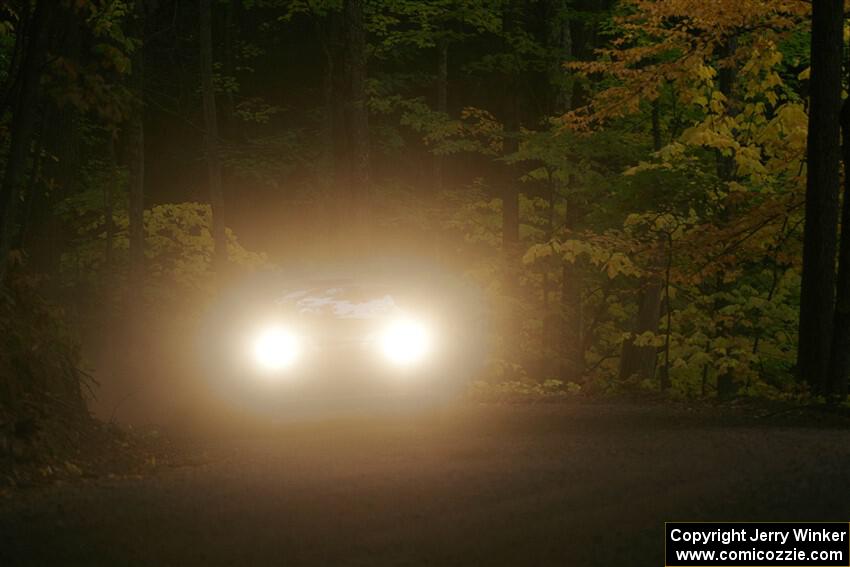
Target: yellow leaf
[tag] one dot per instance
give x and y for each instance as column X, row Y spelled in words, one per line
column 72, row 468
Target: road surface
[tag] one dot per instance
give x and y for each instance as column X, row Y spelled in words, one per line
column 568, row 485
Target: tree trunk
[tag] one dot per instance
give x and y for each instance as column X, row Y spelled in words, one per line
column 442, row 103
column 641, row 360
column 338, row 67
column 336, row 208
column 357, row 123
column 560, row 45
column 551, row 320
column 41, row 230
column 9, row 89
column 726, row 386
column 33, row 195
column 817, row 293
column 211, row 141
column 572, row 324
column 326, row 33
column 512, row 318
column 230, row 122
column 21, row 128
column 136, row 157
column 509, row 181
column 510, row 211
column 108, row 206
column 664, row 381
column 839, row 364
column 60, row 134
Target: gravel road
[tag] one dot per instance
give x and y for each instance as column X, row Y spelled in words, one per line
column 567, row 485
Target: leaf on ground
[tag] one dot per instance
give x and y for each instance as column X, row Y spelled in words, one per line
column 73, row 469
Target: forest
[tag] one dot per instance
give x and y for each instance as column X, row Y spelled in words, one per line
column 646, row 194
column 557, row 274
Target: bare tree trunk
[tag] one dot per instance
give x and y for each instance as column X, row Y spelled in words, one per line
column 33, row 194
column 510, row 213
column 550, row 318
column 136, row 172
column 509, row 181
column 726, row 386
column 60, row 134
column 357, row 121
column 817, row 293
column 22, row 128
column 572, row 323
column 230, row 30
column 108, row 216
column 62, row 138
column 668, row 323
column 41, row 230
column 442, row 103
column 136, row 156
column 326, row 33
column 560, row 43
column 512, row 318
column 211, row 140
column 9, row 89
column 642, row 360
column 336, row 207
column 839, row 364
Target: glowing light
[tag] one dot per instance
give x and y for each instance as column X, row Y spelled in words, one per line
column 406, row 342
column 275, row 348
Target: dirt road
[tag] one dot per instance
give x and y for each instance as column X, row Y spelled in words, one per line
column 567, row 485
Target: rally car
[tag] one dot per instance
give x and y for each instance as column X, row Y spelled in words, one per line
column 345, row 343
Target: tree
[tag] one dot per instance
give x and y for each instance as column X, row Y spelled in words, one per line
column 211, row 139
column 817, row 293
column 438, row 26
column 635, row 360
column 442, row 102
column 136, row 154
column 59, row 137
column 357, row 120
column 559, row 44
column 839, row 364
column 22, row 129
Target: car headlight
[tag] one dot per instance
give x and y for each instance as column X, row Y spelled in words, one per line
column 275, row 348
column 406, row 342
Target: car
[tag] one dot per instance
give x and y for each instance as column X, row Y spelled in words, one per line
column 370, row 342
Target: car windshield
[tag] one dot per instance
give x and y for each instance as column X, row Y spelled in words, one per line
column 340, row 301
